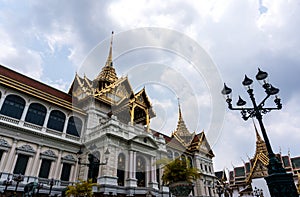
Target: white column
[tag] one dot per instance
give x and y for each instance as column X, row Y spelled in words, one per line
column 65, row 127
column 10, row 159
column 29, row 166
column 130, row 167
column 46, row 120
column 153, row 181
column 13, row 164
column 4, row 160
column 57, row 166
column 72, row 173
column 36, row 162
column 24, row 112
column 134, row 165
column 52, row 170
column 2, row 100
column 153, row 170
column 76, row 172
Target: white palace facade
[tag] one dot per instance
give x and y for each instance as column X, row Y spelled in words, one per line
column 56, row 138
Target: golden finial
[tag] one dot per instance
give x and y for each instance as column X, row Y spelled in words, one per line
column 258, row 138
column 109, row 58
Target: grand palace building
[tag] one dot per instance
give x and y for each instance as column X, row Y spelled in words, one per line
column 99, row 130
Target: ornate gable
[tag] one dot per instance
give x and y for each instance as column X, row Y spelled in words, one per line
column 260, row 161
column 174, row 143
column 200, row 143
column 143, row 143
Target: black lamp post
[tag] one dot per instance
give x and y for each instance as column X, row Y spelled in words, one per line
column 51, row 183
column 258, row 192
column 219, row 189
column 39, row 186
column 18, row 179
column 228, row 189
column 6, row 183
column 279, row 182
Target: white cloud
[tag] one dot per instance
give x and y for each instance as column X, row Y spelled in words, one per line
column 22, row 59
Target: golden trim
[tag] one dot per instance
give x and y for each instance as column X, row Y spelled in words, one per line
column 38, row 93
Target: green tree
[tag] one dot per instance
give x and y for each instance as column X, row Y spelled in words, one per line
column 81, row 188
column 179, row 170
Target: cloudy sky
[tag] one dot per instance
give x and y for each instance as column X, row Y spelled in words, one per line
column 52, row 40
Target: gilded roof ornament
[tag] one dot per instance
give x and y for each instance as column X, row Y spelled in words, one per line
column 181, row 131
column 108, row 73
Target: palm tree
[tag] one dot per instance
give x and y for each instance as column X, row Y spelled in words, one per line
column 81, row 188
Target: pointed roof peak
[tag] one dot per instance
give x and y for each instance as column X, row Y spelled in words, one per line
column 179, row 110
column 108, row 73
column 181, row 129
column 109, row 61
column 258, row 138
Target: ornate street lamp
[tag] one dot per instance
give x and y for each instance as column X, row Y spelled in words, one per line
column 219, row 189
column 258, row 192
column 51, row 183
column 6, row 183
column 18, row 179
column 279, row 182
column 39, row 186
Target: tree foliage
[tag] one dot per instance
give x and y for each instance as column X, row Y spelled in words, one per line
column 81, row 188
column 179, row 170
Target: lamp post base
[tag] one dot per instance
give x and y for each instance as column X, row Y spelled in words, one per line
column 281, row 184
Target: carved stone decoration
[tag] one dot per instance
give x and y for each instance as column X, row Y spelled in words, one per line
column 48, row 154
column 26, row 150
column 68, row 159
column 4, row 145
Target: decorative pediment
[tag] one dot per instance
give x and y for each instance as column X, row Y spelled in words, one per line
column 174, row 143
column 260, row 161
column 144, row 140
column 68, row 159
column 26, row 150
column 48, row 154
column 115, row 92
column 4, row 145
column 141, row 98
column 259, row 169
column 200, row 144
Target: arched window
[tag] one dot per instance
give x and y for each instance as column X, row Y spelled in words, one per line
column 36, row 114
column 140, row 171
column 182, row 158
column 169, row 154
column 176, row 154
column 121, row 169
column 13, row 106
column 94, row 161
column 74, row 126
column 56, row 120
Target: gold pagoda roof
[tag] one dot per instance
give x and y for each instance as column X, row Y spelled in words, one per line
column 181, row 132
column 108, row 73
column 260, row 160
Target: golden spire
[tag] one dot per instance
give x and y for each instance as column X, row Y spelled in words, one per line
column 258, row 138
column 109, row 58
column 181, row 130
column 108, row 73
